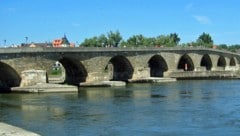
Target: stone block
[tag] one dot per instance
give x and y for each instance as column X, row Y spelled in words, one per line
column 33, row 77
column 141, row 72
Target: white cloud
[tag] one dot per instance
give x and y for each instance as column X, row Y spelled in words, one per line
column 203, row 20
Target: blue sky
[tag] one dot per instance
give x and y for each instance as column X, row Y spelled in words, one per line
column 45, row 20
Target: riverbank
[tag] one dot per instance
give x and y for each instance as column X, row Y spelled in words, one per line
column 9, row 130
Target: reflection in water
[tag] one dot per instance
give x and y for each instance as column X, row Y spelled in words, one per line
column 30, row 112
column 157, row 96
column 181, row 108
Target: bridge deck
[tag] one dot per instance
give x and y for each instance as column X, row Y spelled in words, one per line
column 100, row 49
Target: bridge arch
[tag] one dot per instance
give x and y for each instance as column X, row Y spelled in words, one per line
column 122, row 68
column 206, row 62
column 75, row 71
column 232, row 62
column 8, row 78
column 221, row 62
column 186, row 63
column 157, row 66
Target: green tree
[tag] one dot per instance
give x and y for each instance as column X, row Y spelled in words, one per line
column 124, row 44
column 222, row 46
column 165, row 40
column 149, row 42
column 132, row 41
column 90, row 42
column 170, row 40
column 205, row 40
column 139, row 41
column 175, row 38
column 114, row 38
column 233, row 48
column 136, row 40
column 161, row 40
column 102, row 40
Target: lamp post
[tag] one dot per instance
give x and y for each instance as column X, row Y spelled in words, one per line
column 26, row 38
column 5, row 41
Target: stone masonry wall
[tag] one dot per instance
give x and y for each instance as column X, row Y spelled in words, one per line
column 33, row 77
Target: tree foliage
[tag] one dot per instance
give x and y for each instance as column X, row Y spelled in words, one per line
column 168, row 40
column 136, row 41
column 232, row 48
column 113, row 39
column 175, row 38
column 205, row 40
column 91, row 42
column 161, row 40
column 103, row 40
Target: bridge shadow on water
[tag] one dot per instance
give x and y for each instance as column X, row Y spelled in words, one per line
column 5, row 90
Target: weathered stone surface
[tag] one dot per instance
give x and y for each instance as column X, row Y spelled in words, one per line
column 32, row 77
column 122, row 64
column 9, row 130
column 103, row 84
column 45, row 88
column 203, row 74
column 152, row 80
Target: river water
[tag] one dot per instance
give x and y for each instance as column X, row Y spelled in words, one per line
column 204, row 107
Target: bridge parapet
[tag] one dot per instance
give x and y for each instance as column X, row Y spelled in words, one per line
column 114, row 49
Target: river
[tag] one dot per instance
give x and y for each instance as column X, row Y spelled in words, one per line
column 198, row 107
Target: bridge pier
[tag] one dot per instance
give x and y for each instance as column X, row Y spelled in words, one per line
column 141, row 72
column 33, row 77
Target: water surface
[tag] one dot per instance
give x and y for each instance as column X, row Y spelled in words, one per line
column 204, row 107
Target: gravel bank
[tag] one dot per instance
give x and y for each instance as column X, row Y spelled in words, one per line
column 9, row 130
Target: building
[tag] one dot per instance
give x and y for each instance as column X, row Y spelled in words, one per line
column 47, row 44
column 63, row 42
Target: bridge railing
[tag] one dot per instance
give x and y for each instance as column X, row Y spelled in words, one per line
column 112, row 49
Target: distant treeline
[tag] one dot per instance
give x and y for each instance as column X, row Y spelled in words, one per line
column 232, row 48
column 114, row 39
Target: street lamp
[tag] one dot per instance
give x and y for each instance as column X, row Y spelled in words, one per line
column 26, row 38
column 5, row 41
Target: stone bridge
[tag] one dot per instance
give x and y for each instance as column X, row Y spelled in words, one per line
column 121, row 64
